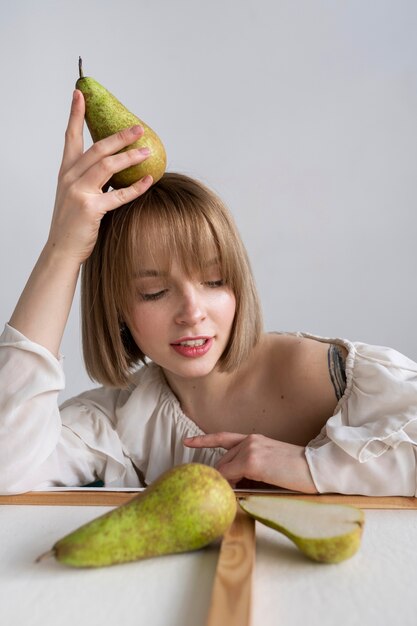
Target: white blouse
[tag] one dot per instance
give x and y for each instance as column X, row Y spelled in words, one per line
column 127, row 438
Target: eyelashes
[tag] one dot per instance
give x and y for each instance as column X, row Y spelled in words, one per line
column 152, row 296
column 157, row 295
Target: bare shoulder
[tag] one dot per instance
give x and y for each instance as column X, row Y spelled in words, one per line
column 289, row 380
column 312, row 371
column 300, row 352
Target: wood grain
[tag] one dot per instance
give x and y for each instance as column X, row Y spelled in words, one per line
column 363, row 502
column 231, row 600
column 89, row 497
column 93, row 497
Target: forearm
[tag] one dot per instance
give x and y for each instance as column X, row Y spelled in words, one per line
column 30, row 381
column 43, row 308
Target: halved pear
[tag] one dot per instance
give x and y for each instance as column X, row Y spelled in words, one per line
column 328, row 533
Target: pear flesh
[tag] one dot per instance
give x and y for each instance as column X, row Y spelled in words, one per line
column 185, row 509
column 328, row 533
column 106, row 115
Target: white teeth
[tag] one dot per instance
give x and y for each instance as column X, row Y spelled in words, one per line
column 193, row 343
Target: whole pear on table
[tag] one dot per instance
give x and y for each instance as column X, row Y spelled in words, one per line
column 328, row 533
column 186, row 508
column 106, row 115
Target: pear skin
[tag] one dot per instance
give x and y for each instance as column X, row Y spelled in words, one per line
column 327, row 533
column 185, row 509
column 106, row 115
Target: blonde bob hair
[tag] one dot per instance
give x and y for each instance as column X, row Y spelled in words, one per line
column 178, row 217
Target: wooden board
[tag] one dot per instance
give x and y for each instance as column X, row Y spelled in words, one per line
column 231, row 600
column 93, row 497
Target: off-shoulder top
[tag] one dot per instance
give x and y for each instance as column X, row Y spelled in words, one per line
column 127, row 438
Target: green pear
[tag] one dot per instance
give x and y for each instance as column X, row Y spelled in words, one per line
column 105, row 115
column 328, row 533
column 186, row 508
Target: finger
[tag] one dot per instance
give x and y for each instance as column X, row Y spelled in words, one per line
column 100, row 173
column 233, row 471
column 215, row 440
column 74, row 143
column 228, row 457
column 117, row 198
column 105, row 148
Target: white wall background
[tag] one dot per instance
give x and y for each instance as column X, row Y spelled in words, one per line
column 302, row 114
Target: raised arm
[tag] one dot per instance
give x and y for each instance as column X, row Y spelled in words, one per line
column 43, row 308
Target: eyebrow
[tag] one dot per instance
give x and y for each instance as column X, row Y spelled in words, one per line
column 146, row 273
column 155, row 273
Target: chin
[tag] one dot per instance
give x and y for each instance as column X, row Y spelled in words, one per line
column 193, row 369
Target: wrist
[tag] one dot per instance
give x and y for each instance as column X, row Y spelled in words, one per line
column 294, row 471
column 58, row 269
column 52, row 256
column 305, row 479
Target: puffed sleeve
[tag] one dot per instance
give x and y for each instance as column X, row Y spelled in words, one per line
column 39, row 442
column 368, row 446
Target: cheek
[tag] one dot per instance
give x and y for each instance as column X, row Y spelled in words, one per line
column 143, row 321
column 232, row 305
column 227, row 306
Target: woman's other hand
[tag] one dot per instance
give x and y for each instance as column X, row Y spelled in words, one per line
column 260, row 459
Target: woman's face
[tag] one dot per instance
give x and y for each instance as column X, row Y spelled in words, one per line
column 183, row 324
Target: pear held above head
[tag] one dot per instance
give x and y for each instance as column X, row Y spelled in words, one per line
column 186, row 508
column 105, row 115
column 328, row 533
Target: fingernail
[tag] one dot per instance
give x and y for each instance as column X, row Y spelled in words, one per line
column 144, row 150
column 75, row 95
column 147, row 179
column 136, row 129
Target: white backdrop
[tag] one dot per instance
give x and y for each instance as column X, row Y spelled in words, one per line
column 301, row 114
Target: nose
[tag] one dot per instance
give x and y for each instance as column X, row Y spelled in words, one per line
column 191, row 308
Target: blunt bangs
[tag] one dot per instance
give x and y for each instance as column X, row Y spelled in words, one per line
column 161, row 234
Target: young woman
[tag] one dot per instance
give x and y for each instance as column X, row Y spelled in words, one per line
column 172, row 330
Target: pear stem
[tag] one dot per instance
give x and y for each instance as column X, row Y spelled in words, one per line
column 45, row 555
column 80, row 67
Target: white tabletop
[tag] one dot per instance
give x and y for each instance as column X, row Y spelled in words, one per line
column 376, row 586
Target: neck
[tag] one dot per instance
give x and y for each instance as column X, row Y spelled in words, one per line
column 200, row 394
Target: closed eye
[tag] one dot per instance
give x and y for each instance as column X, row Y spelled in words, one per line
column 153, row 296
